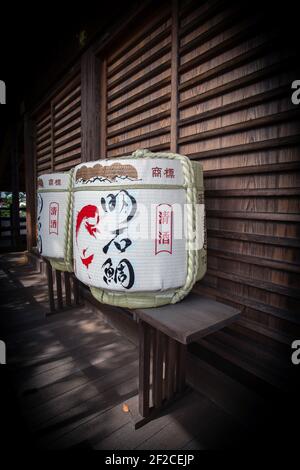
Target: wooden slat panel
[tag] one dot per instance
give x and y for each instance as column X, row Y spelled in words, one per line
column 208, row 28
column 254, row 237
column 71, row 97
column 147, row 73
column 151, row 85
column 154, row 129
column 157, row 143
column 149, row 24
column 138, row 90
column 149, row 41
column 43, row 145
column 67, row 126
column 236, row 117
column 143, row 118
column 58, row 130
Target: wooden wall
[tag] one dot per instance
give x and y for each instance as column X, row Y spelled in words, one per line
column 211, row 80
column 58, row 129
column 137, row 76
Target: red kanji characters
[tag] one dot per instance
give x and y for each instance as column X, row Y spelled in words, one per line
column 164, row 238
column 53, row 217
column 156, row 172
column 164, row 228
column 169, row 173
column 163, row 217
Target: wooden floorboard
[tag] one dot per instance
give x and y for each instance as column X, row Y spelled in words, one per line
column 54, row 410
column 77, row 379
column 72, row 372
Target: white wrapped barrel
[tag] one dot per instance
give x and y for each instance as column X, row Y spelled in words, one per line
column 54, row 216
column 129, row 228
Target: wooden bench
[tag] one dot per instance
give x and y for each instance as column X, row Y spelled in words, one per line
column 164, row 334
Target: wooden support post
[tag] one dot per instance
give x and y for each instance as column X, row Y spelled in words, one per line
column 181, row 368
column 164, row 375
column 103, row 107
column 75, row 290
column 90, row 106
column 170, row 368
column 15, row 209
column 29, row 157
column 174, row 78
column 50, row 286
column 173, row 327
column 158, row 370
column 67, row 289
column 58, row 289
column 144, row 368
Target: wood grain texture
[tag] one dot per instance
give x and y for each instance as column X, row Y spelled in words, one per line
column 142, row 86
column 90, row 107
column 58, row 127
column 194, row 318
column 236, row 117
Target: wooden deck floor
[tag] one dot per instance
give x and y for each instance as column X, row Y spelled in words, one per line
column 71, row 372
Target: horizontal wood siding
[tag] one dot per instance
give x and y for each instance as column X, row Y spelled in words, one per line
column 58, row 130
column 236, row 117
column 43, row 141
column 138, row 88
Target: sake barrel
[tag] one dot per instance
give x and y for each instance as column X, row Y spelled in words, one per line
column 54, row 219
column 139, row 228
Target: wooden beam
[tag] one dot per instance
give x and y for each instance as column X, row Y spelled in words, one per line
column 15, row 216
column 59, row 289
column 67, row 288
column 90, row 107
column 181, row 367
column 103, row 108
column 76, row 292
column 268, row 144
column 144, row 368
column 29, row 157
column 170, row 368
column 50, row 285
column 52, row 136
column 254, row 238
column 157, row 383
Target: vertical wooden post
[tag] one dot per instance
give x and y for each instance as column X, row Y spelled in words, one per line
column 67, row 288
column 170, row 368
column 52, row 136
column 75, row 290
column 29, row 156
column 158, row 370
column 164, row 374
column 174, row 78
column 181, row 367
column 103, row 108
column 50, row 285
column 15, row 214
column 144, row 368
column 90, row 106
column 58, row 289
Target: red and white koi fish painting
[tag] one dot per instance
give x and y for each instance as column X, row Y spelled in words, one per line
column 87, row 222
